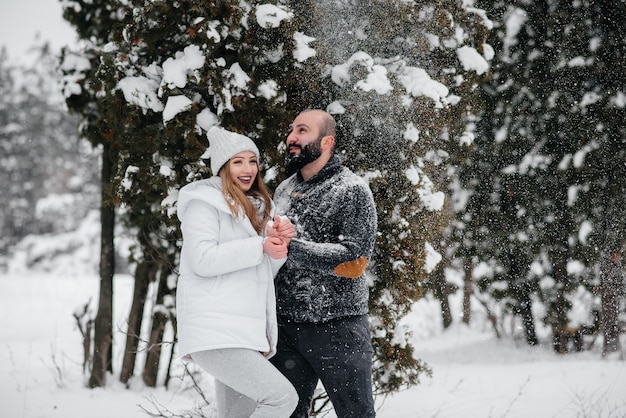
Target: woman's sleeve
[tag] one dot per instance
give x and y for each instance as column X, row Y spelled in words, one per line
column 208, row 257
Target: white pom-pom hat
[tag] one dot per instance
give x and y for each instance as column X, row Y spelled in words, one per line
column 223, row 145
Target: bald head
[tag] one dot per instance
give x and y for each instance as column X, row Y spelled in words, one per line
column 326, row 122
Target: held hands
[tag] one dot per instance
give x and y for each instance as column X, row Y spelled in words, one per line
column 275, row 247
column 281, row 228
column 278, row 232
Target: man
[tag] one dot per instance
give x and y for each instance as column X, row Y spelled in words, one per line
column 322, row 294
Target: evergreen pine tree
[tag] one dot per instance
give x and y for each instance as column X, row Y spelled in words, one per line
column 41, row 155
column 84, row 87
column 395, row 80
column 400, row 85
column 233, row 69
column 548, row 141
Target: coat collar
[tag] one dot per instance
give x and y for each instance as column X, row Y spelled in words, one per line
column 330, row 169
column 210, row 191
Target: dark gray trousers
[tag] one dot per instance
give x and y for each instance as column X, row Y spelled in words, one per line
column 338, row 353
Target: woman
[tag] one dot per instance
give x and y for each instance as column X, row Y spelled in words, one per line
column 232, row 249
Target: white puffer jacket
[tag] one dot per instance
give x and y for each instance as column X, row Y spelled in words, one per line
column 225, row 295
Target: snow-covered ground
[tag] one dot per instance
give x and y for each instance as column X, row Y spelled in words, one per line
column 474, row 373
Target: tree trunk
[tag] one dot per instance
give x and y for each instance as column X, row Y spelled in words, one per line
column 145, row 273
column 560, row 307
column 103, row 324
column 467, row 291
column 168, row 375
column 446, row 313
column 525, row 311
column 441, row 290
column 521, row 290
column 159, row 320
column 610, row 290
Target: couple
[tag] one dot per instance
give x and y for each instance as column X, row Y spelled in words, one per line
column 279, row 280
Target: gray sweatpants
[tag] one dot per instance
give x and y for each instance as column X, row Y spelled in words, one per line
column 247, row 385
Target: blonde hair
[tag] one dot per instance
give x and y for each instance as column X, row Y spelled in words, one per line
column 238, row 200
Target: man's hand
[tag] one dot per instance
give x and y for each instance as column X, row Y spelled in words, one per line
column 281, row 228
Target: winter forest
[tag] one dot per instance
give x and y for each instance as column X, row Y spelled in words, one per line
column 491, row 134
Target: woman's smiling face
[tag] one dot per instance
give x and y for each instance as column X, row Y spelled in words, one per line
column 243, row 169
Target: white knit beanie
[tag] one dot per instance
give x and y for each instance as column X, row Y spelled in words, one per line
column 223, row 145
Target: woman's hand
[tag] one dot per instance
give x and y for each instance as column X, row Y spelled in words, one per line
column 281, row 228
column 275, row 247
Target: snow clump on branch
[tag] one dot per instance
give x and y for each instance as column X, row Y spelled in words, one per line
column 270, row 16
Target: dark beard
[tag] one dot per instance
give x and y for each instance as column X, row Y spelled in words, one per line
column 308, row 154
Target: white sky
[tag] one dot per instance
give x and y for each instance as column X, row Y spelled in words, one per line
column 23, row 22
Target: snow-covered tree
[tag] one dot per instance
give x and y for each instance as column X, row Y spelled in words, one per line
column 164, row 76
column 549, row 141
column 399, row 77
column 84, row 89
column 46, row 172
